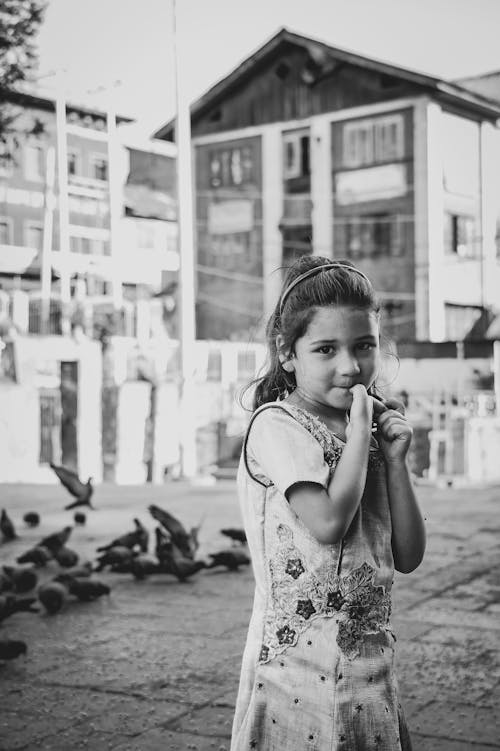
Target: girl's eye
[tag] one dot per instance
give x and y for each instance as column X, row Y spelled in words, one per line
column 364, row 346
column 326, row 349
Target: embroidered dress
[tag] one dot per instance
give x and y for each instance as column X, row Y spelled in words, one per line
column 317, row 670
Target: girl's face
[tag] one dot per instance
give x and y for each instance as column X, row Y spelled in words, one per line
column 339, row 349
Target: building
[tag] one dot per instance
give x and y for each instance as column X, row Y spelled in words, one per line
column 118, row 216
column 305, row 147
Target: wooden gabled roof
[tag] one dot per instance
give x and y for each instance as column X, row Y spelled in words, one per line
column 324, row 55
column 486, row 84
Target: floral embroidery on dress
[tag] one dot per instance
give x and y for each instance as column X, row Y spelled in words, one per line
column 361, row 606
column 294, row 567
column 331, row 449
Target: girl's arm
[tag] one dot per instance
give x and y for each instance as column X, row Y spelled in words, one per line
column 328, row 513
column 408, row 531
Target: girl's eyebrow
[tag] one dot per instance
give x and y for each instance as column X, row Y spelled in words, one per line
column 335, row 341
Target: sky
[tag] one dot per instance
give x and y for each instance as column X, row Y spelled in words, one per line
column 101, row 42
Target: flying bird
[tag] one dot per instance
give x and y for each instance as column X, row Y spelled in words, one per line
column 31, row 519
column 39, row 555
column 237, row 535
column 7, row 527
column 11, row 648
column 57, row 540
column 231, row 559
column 82, row 491
column 180, row 537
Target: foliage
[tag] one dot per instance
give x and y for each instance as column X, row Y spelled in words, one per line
column 20, row 21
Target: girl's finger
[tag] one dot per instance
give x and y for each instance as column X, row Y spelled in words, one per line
column 390, row 414
column 395, row 404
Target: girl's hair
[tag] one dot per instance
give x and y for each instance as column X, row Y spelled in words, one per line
column 334, row 286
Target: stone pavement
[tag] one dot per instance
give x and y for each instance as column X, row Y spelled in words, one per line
column 155, row 666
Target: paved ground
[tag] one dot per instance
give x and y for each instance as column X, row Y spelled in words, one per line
column 155, row 666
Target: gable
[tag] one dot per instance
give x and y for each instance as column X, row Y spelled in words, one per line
column 293, row 85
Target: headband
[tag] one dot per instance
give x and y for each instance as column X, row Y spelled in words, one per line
column 312, row 272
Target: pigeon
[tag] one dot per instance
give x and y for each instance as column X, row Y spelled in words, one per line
column 144, row 565
column 66, row 557
column 79, row 517
column 7, row 527
column 81, row 491
column 10, row 649
column 5, row 582
column 237, row 535
column 117, row 556
column 23, row 578
column 180, row 537
column 231, row 559
column 172, row 560
column 38, row 555
column 195, row 531
column 53, row 596
column 163, row 547
column 76, row 572
column 31, row 519
column 87, row 590
column 139, row 537
column 57, row 540
column 10, row 604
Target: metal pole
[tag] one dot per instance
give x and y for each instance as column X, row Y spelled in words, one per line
column 115, row 204
column 48, row 223
column 62, row 180
column 187, row 279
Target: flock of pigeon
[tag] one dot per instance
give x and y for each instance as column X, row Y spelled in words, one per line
column 174, row 553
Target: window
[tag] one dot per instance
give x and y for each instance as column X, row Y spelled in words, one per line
column 5, row 231
column 231, row 167
column 214, row 365
column 146, row 235
column 460, row 236
column 296, row 161
column 99, row 168
column 6, row 159
column 373, row 235
column 33, row 235
column 34, row 162
column 459, row 320
column 373, row 140
column 73, row 163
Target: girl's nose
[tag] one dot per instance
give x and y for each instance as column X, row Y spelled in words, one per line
column 347, row 364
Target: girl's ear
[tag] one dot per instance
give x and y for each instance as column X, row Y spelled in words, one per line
column 284, row 358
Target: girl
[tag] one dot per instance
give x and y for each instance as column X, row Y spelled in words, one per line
column 329, row 511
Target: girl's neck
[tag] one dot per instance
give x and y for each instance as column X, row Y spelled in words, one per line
column 335, row 419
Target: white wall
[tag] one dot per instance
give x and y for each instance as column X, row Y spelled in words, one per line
column 434, row 374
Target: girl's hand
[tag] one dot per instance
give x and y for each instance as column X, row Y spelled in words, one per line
column 360, row 414
column 394, row 434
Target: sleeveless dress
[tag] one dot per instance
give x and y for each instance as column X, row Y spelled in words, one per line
column 318, row 666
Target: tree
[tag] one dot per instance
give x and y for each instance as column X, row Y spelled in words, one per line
column 20, row 21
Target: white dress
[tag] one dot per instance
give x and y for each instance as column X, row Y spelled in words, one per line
column 317, row 670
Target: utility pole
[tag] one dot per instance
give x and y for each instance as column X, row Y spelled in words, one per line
column 115, row 206
column 187, row 279
column 63, row 204
column 48, row 224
